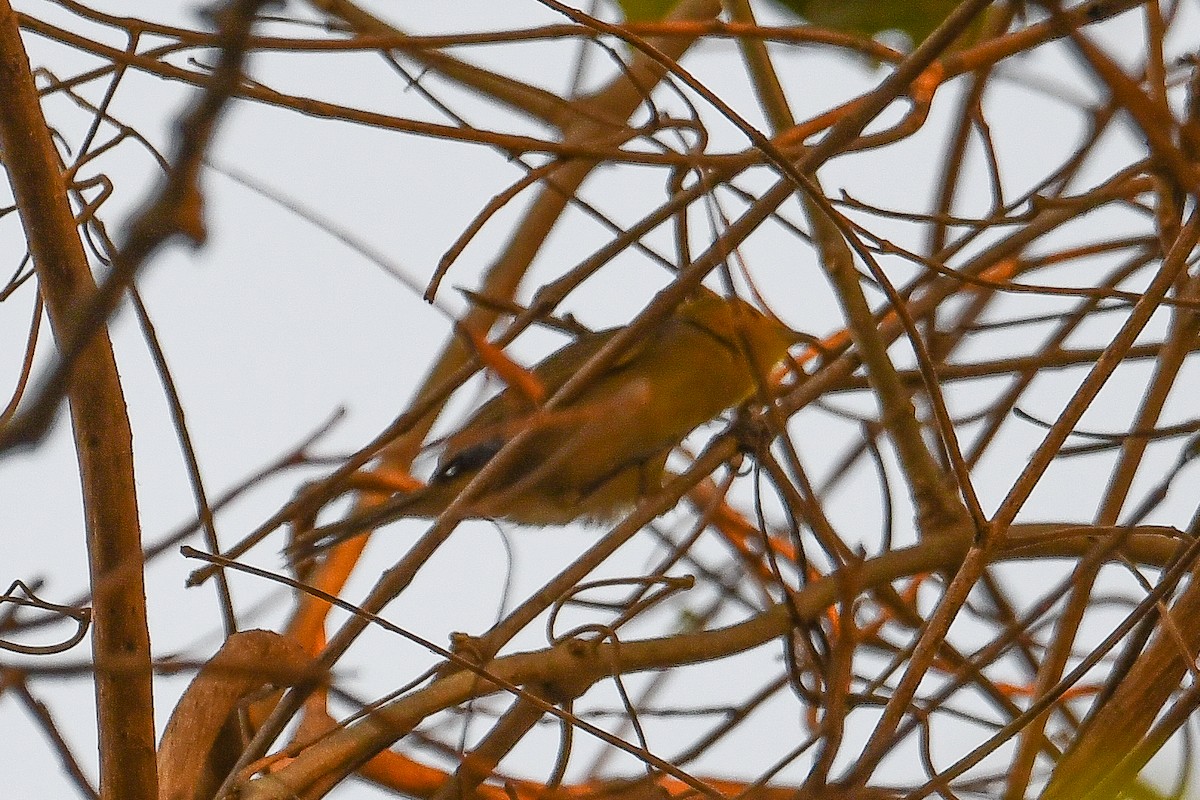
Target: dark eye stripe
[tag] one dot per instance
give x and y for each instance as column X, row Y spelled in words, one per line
column 468, row 460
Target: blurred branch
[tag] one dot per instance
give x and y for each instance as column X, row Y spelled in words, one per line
column 176, row 210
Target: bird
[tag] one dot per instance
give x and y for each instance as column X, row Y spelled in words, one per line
column 592, row 458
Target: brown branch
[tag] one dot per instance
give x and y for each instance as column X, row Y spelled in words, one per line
column 1173, row 265
column 574, row 660
column 200, row 742
column 102, row 436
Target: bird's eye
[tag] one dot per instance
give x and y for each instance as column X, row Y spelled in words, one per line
column 469, row 460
